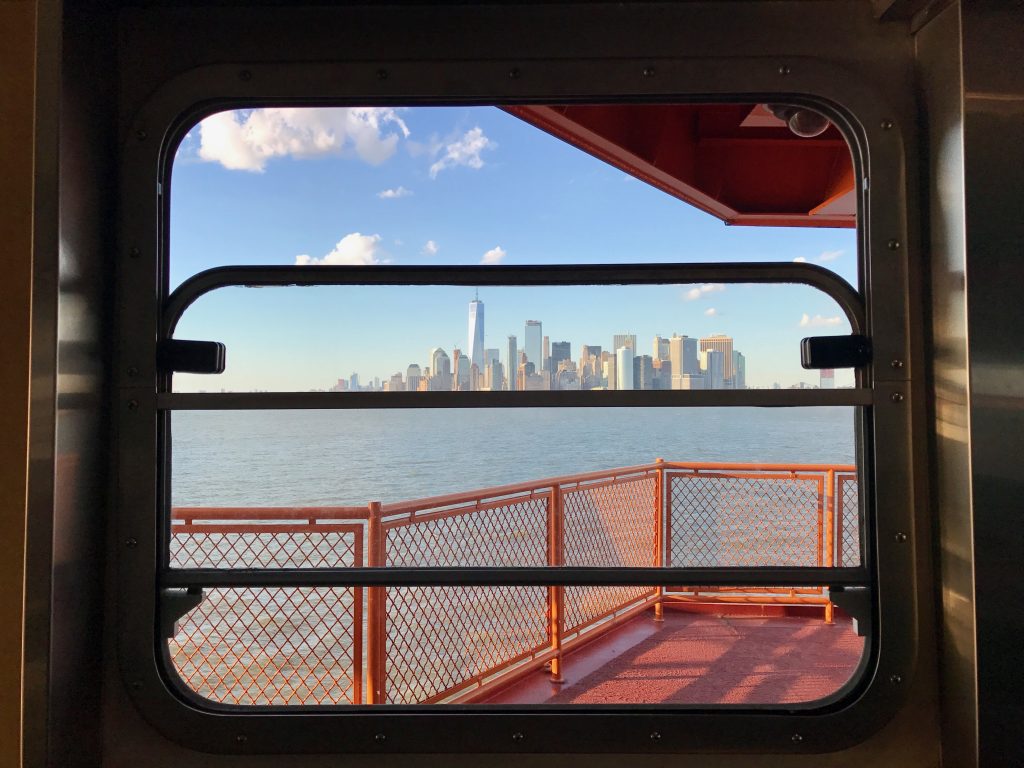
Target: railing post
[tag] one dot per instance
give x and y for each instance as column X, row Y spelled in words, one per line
column 376, row 601
column 659, row 534
column 556, row 594
column 830, row 533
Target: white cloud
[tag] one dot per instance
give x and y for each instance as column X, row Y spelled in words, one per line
column 817, row 321
column 711, row 312
column 430, row 248
column 494, row 256
column 702, row 290
column 800, row 260
column 392, row 194
column 830, row 255
column 465, row 151
column 354, row 249
column 244, row 141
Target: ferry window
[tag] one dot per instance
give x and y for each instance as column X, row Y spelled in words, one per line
column 499, row 422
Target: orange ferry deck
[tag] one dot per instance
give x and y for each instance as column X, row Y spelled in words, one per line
column 769, row 655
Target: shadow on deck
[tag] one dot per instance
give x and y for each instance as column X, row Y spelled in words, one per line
column 702, row 658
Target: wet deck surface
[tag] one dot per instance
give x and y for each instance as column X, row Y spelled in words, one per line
column 694, row 658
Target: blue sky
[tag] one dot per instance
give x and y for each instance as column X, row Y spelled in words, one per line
column 455, row 186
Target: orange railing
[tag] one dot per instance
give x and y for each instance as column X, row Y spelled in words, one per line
column 334, row 645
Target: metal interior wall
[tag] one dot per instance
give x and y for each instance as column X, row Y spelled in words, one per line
column 69, row 423
column 993, row 125
column 644, row 29
column 939, row 63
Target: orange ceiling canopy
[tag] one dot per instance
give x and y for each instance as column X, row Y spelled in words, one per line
column 738, row 162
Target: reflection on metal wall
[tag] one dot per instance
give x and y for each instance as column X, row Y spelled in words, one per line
column 993, row 48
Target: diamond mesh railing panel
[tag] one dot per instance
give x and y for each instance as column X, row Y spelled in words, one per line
column 765, row 520
column 607, row 524
column 280, row 645
column 262, row 546
column 848, row 514
column 439, row 639
column 586, row 605
column 511, row 533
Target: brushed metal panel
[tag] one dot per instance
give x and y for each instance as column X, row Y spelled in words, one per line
column 938, row 58
column 993, row 49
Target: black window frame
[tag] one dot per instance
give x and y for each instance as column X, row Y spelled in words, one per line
column 144, row 399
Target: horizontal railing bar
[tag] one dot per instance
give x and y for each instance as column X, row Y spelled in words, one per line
column 513, row 488
column 606, row 398
column 269, row 513
column 729, row 466
column 520, row 577
column 515, row 275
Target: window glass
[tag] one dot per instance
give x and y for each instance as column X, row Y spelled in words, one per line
column 334, row 489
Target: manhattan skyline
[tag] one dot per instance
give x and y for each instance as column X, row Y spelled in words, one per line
column 678, row 362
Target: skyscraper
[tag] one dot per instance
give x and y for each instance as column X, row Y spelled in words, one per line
column 720, row 343
column 682, row 355
column 660, row 349
column 511, row 363
column 827, row 378
column 643, row 372
column 462, row 369
column 624, row 340
column 533, row 348
column 739, row 370
column 716, row 368
column 476, row 333
column 624, row 367
column 560, row 350
column 413, row 374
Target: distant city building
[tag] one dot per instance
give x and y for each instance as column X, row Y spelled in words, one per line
column 476, row 333
column 534, row 344
column 490, row 355
column 590, row 367
column 545, row 355
column 566, row 376
column 620, row 340
column 560, row 350
column 440, row 371
column 624, row 367
column 715, row 368
column 663, row 374
column 828, row 378
column 534, row 380
column 494, row 376
column 722, row 344
column 643, row 372
column 395, row 383
column 353, row 382
column 461, row 371
column 608, row 370
column 412, row 377
column 689, row 381
column 683, row 357
column 739, row 370
column 660, row 350
column 511, row 362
